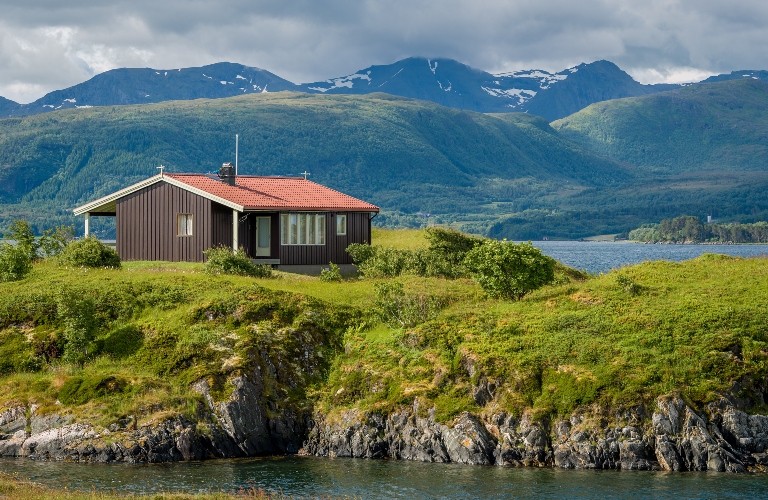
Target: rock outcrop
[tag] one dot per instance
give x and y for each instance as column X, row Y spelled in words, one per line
column 678, row 438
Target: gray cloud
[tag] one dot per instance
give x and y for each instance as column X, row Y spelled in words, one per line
column 47, row 45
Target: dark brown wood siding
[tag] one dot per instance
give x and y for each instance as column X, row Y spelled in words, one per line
column 147, row 224
column 334, row 250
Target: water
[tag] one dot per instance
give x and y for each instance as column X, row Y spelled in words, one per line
column 603, row 256
column 312, row 477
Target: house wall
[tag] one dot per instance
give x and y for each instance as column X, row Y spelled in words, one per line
column 358, row 231
column 147, row 230
column 147, row 224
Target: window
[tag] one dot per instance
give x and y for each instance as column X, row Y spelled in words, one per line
column 341, row 225
column 302, row 229
column 184, row 224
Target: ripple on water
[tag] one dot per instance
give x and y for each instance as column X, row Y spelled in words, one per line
column 310, row 477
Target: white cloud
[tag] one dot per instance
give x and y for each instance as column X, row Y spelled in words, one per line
column 43, row 48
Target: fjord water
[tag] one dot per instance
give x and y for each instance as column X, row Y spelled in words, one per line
column 596, row 257
column 312, row 477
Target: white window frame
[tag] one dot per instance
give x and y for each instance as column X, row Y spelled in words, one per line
column 184, row 225
column 339, row 218
column 312, row 223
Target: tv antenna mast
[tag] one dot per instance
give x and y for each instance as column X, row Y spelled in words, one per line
column 305, row 174
column 236, row 144
column 161, row 167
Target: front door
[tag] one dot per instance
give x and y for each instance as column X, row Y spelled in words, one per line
column 263, row 227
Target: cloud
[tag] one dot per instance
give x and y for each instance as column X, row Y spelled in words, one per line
column 47, row 45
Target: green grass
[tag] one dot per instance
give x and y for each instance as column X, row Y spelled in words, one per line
column 17, row 488
column 611, row 342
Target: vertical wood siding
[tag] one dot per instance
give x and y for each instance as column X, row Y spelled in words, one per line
column 147, row 225
column 147, row 230
column 334, row 250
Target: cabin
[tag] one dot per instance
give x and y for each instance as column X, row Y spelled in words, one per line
column 290, row 223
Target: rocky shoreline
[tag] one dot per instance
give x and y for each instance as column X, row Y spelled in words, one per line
column 719, row 437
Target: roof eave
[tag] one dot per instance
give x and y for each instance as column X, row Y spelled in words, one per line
column 92, row 206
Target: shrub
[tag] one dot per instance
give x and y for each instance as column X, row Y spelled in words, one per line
column 450, row 245
column 78, row 314
column 89, row 252
column 444, row 256
column 15, row 262
column 330, row 275
column 399, row 309
column 509, row 270
column 54, row 241
column 16, row 354
column 222, row 260
column 21, row 232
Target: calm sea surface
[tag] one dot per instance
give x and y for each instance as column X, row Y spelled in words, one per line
column 604, row 256
column 309, row 477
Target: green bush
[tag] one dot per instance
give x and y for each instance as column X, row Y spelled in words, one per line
column 78, row 314
column 54, row 241
column 16, row 354
column 21, row 232
column 509, row 270
column 89, row 252
column 80, row 390
column 399, row 309
column 222, row 260
column 330, row 275
column 15, row 262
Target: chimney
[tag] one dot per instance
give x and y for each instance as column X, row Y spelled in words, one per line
column 227, row 174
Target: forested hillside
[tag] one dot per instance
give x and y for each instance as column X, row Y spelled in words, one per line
column 712, row 126
column 401, row 154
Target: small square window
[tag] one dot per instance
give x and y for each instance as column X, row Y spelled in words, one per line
column 184, row 225
column 341, row 225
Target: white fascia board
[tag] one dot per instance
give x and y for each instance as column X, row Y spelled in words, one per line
column 204, row 194
column 92, row 206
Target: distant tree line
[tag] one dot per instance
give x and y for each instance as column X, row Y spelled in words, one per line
column 691, row 229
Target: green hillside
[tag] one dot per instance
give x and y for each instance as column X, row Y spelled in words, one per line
column 399, row 153
column 712, row 126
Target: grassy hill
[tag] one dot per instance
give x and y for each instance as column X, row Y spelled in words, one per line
column 712, row 126
column 399, row 153
column 696, row 327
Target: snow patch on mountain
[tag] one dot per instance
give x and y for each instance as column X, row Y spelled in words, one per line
column 545, row 79
column 521, row 95
column 69, row 100
column 345, row 81
column 241, row 77
column 430, row 66
column 445, row 89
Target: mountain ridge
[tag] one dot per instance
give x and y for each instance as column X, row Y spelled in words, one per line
column 443, row 81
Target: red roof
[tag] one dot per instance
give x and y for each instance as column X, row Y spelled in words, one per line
column 287, row 193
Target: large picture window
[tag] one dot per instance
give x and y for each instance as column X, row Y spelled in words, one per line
column 302, row 229
column 184, row 224
column 341, row 225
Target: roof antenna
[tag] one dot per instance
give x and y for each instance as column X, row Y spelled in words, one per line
column 305, row 174
column 236, row 140
column 161, row 170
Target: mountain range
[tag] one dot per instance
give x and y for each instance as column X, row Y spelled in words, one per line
column 443, row 81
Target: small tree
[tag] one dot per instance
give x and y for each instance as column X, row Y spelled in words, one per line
column 21, row 232
column 78, row 314
column 509, row 270
column 54, row 241
column 15, row 263
column 89, row 252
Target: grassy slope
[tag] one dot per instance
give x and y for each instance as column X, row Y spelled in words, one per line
column 714, row 126
column 695, row 327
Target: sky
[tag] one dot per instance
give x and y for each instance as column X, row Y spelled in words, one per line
column 47, row 45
